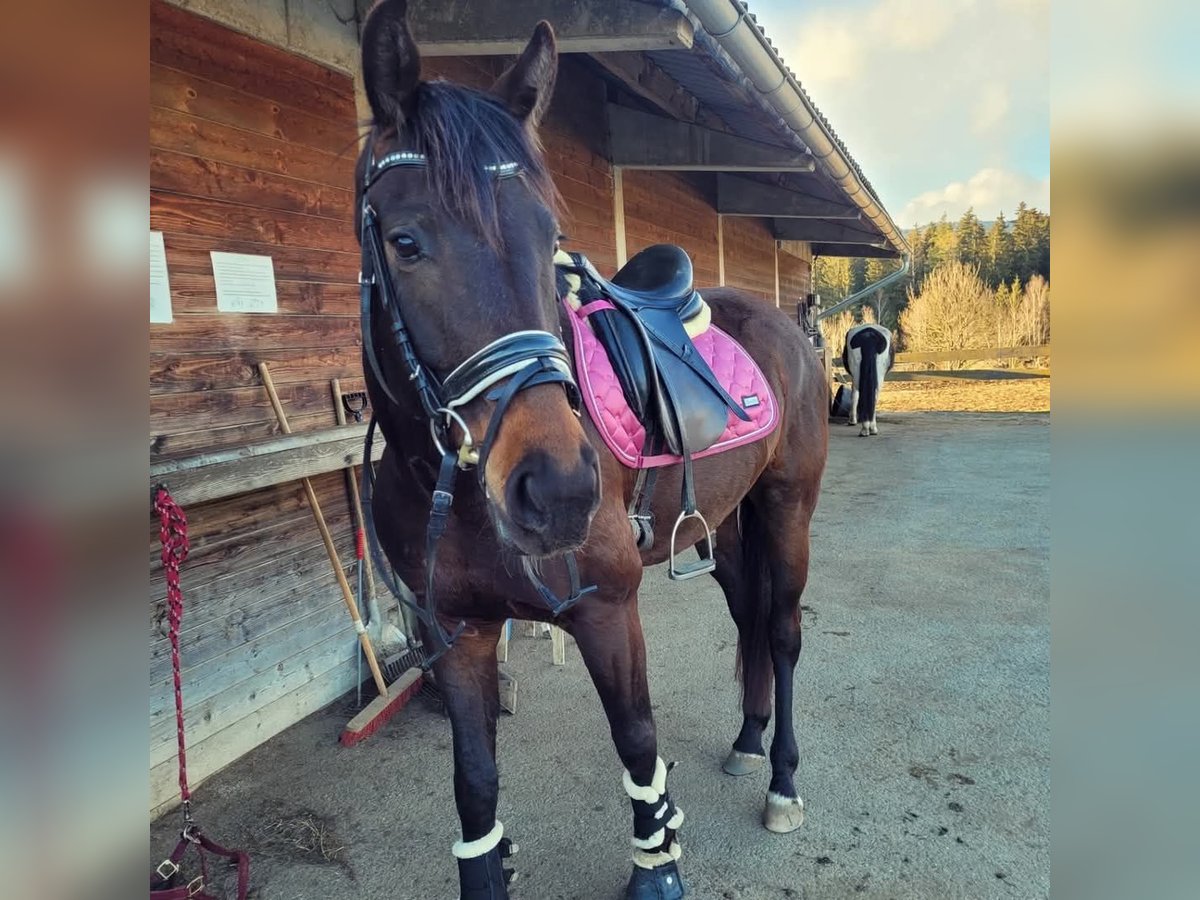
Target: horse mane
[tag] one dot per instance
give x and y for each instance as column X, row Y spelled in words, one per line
column 462, row 131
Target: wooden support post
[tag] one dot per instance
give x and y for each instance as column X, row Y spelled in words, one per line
column 558, row 645
column 502, row 646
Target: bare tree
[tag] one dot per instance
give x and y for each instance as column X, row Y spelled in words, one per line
column 954, row 311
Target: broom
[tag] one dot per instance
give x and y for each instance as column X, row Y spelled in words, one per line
column 390, row 700
column 412, row 655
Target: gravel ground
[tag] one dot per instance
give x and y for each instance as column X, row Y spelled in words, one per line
column 922, row 712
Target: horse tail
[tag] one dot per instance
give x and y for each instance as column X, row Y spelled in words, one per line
column 755, row 669
column 870, row 343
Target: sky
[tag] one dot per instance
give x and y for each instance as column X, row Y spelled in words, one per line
column 943, row 103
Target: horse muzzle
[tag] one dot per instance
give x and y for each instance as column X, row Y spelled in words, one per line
column 548, row 509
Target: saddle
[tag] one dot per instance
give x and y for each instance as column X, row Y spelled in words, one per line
column 643, row 330
column 640, row 318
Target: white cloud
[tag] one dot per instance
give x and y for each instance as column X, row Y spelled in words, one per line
column 836, row 45
column 991, row 109
column 924, row 92
column 988, row 192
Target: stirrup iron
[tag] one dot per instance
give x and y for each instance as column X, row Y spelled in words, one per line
column 707, row 561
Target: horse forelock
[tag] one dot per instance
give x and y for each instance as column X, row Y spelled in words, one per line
column 463, row 131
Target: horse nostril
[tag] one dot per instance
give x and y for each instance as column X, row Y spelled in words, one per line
column 527, row 504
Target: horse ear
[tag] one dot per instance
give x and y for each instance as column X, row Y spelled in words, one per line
column 528, row 84
column 391, row 63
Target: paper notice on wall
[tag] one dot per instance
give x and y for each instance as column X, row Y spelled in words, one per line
column 245, row 283
column 160, row 283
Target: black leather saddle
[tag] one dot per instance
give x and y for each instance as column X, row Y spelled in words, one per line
column 666, row 382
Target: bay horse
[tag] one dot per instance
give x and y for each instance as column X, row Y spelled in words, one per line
column 868, row 356
column 463, row 337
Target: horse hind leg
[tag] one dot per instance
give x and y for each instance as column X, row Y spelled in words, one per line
column 739, row 572
column 785, row 545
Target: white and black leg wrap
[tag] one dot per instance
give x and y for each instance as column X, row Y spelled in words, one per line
column 481, row 874
column 656, row 818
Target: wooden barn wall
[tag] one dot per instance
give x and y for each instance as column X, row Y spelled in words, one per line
column 674, row 208
column 749, row 255
column 252, row 151
column 795, row 279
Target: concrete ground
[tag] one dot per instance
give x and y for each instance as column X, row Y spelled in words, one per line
column 922, row 712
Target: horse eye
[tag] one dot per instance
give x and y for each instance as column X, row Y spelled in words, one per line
column 406, row 246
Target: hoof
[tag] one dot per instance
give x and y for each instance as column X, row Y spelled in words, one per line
column 783, row 814
column 739, row 763
column 660, row 883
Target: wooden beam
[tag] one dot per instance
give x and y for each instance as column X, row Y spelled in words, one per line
column 483, row 28
column 227, row 473
column 867, row 251
column 1042, row 350
column 639, row 75
column 639, row 140
column 825, row 232
column 747, row 197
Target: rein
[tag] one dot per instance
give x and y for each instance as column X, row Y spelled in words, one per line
column 524, row 358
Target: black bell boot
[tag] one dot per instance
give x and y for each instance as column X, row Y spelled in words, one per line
column 481, row 873
column 662, row 882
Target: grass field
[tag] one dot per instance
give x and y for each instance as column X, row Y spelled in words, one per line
column 967, row 395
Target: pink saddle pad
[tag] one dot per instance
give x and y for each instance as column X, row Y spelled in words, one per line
column 620, row 428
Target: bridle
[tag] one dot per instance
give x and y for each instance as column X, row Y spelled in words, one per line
column 523, row 358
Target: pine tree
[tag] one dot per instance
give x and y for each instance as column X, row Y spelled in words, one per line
column 999, row 265
column 1031, row 243
column 971, row 240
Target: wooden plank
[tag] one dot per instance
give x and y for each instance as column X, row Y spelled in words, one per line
column 501, row 29
column 639, row 140
column 185, row 92
column 825, row 231
column 865, row 251
column 192, row 43
column 193, row 136
column 238, row 559
column 250, row 332
column 238, row 738
column 206, row 718
column 969, row 355
column 220, row 523
column 191, row 215
column 197, row 294
column 224, row 642
column 182, row 372
column 741, row 196
column 190, row 254
column 227, row 600
column 193, row 176
column 203, row 409
column 238, row 476
column 165, row 447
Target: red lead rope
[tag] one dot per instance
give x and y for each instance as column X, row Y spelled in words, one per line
column 172, row 532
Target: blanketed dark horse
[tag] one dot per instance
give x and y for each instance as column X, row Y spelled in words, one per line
column 465, row 342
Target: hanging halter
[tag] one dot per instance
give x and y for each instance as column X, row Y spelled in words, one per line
column 524, row 358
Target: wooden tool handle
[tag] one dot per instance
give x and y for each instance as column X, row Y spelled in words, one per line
column 355, row 498
column 327, row 538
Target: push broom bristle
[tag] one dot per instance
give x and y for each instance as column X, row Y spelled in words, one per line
column 373, row 716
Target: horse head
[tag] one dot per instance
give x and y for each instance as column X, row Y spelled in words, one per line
column 454, row 189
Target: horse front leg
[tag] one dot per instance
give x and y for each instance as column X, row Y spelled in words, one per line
column 468, row 681
column 609, row 636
